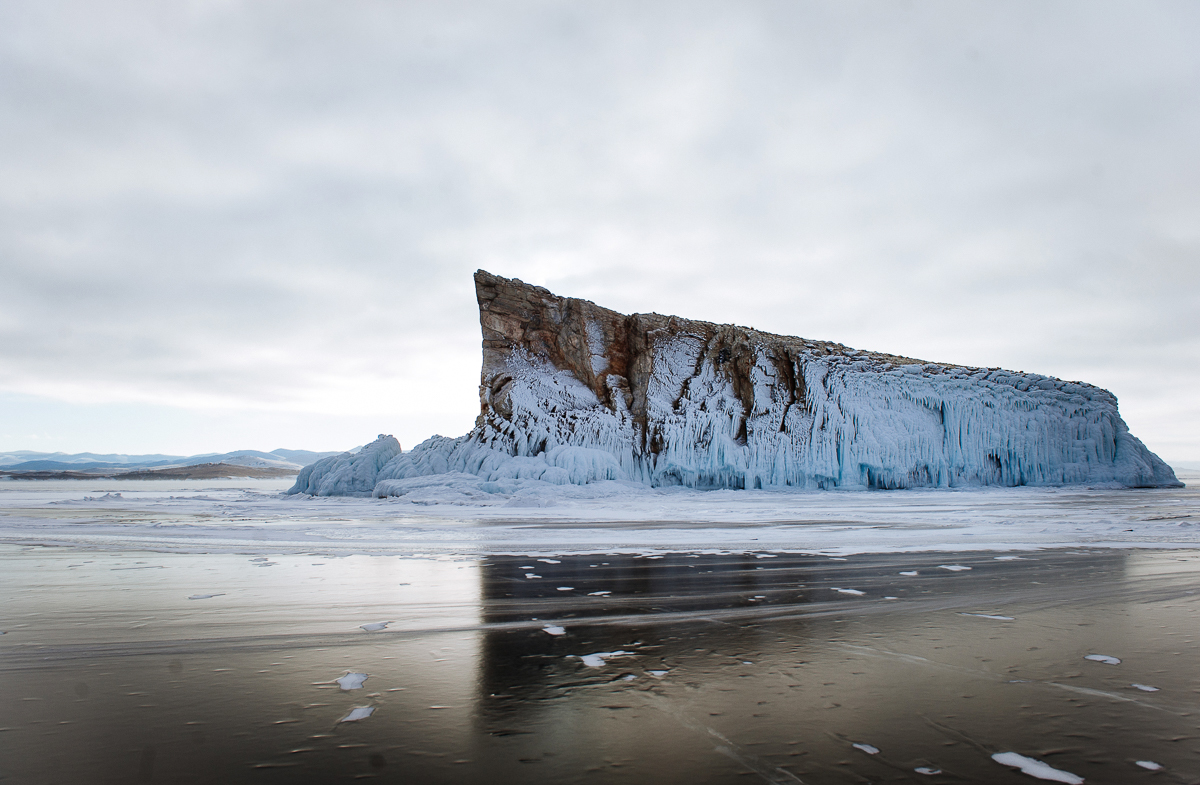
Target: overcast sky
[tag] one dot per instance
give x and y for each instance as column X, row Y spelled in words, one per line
column 253, row 224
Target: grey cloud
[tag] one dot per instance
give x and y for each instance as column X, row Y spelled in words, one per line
column 247, row 202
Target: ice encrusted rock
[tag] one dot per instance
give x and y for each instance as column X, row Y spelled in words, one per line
column 572, row 393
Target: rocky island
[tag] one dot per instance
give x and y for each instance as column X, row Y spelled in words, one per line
column 573, row 393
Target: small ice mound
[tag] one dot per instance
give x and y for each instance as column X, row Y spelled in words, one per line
column 867, row 748
column 855, row 592
column 531, row 576
column 205, row 596
column 526, row 567
column 351, row 681
column 927, row 770
column 374, row 626
column 598, row 659
column 1107, row 660
column 550, row 561
column 952, row 567
column 553, row 629
column 1149, row 764
column 910, row 573
column 1035, row 768
column 1009, row 558
column 658, row 674
column 988, row 616
column 891, row 598
column 566, row 588
column 362, row 712
column 599, row 593
column 1144, row 687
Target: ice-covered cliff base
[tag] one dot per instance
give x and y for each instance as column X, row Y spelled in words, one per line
column 573, row 394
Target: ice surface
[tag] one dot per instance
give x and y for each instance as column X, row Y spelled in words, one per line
column 1149, row 764
column 1144, row 687
column 374, row 626
column 351, row 681
column 867, row 748
column 585, row 519
column 358, row 713
column 1035, row 768
column 1107, row 660
column 598, row 659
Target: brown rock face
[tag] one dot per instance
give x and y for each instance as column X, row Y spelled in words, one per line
column 614, row 354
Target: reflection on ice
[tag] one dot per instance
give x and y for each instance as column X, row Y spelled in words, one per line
column 650, row 666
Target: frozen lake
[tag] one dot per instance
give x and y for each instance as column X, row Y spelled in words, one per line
column 214, row 632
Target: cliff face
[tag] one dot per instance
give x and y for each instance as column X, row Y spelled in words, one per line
column 573, row 393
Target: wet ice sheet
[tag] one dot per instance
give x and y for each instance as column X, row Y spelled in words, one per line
column 252, row 517
column 718, row 668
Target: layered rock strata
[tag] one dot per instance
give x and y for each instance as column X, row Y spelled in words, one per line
column 574, row 393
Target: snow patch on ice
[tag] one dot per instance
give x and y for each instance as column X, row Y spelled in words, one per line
column 374, row 626
column 988, row 616
column 358, row 713
column 205, row 596
column 553, row 629
column 855, row 592
column 952, row 567
column 1036, row 768
column 1149, row 764
column 1144, row 687
column 1107, row 660
column 867, row 748
column 598, row 659
column 351, row 681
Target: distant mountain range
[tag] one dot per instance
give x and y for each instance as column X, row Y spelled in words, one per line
column 30, row 461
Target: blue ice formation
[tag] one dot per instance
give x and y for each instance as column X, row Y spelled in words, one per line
column 572, row 394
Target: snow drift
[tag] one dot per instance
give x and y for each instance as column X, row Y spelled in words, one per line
column 572, row 393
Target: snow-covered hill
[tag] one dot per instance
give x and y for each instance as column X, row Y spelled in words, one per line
column 573, row 393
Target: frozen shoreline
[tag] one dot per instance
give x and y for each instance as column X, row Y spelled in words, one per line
column 255, row 517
